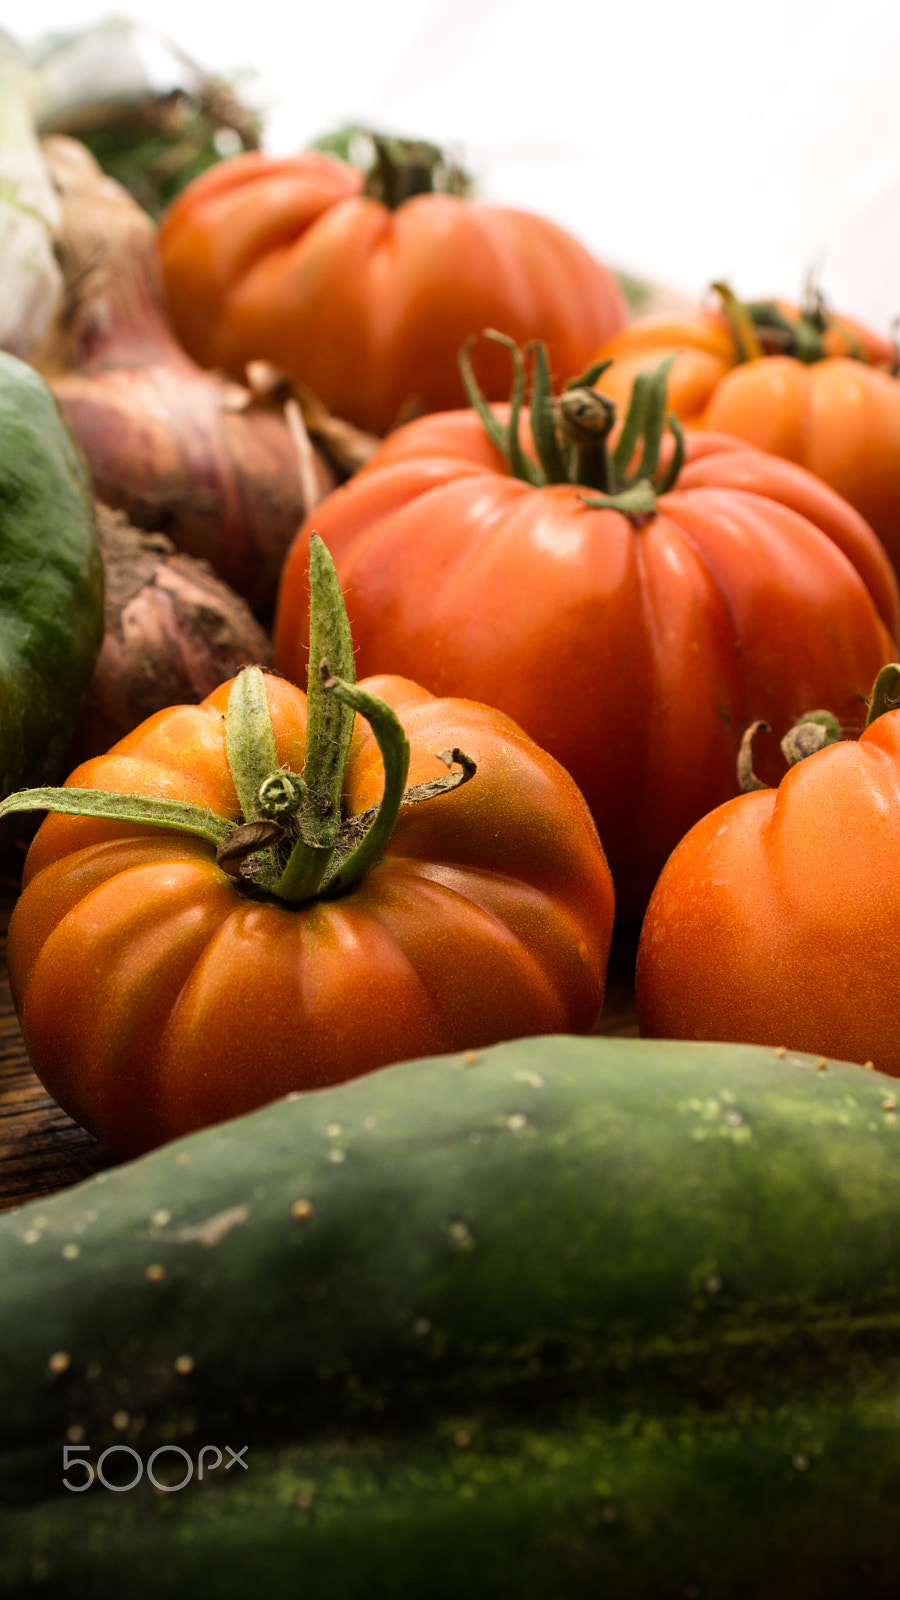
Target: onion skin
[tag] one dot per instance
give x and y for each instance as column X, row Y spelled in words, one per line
column 182, row 451
column 174, row 632
column 223, row 485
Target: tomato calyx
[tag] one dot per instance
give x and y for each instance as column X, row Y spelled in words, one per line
column 811, row 732
column 293, row 842
column 572, row 432
column 396, row 169
column 761, row 328
column 816, row 729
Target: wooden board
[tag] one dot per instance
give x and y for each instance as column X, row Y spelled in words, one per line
column 41, row 1149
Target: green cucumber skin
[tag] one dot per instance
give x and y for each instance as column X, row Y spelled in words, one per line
column 51, row 579
column 685, row 1507
column 583, row 1317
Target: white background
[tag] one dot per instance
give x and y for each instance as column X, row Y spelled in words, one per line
column 684, row 141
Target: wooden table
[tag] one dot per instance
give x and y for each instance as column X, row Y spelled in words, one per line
column 41, row 1149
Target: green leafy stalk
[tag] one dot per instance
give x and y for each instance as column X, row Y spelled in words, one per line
column 175, row 815
column 760, row 327
column 493, row 427
column 654, row 420
column 249, row 740
column 520, row 464
column 394, row 747
column 506, row 439
column 328, row 735
column 633, row 427
column 548, row 443
column 330, row 720
column 571, row 433
column 254, row 766
column 741, row 324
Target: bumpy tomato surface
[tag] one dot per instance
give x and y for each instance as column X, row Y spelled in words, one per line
column 156, row 996
column 839, row 418
column 635, row 649
column 287, row 259
column 777, row 918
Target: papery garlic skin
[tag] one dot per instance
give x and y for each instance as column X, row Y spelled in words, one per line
column 31, row 285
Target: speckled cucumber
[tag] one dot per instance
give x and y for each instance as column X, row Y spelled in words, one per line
column 571, row 1318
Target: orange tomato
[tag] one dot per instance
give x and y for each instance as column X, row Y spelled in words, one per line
column 290, row 260
column 158, row 994
column 839, row 418
column 699, row 344
column 838, row 415
column 776, row 920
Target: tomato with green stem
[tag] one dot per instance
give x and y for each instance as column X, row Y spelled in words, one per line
column 363, row 286
column 633, row 600
column 814, row 388
column 273, row 891
column 776, row 920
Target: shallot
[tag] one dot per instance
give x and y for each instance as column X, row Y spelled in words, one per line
column 182, row 451
column 174, row 632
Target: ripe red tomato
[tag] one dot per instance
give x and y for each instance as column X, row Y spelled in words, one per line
column 157, row 994
column 776, row 920
column 635, row 647
column 290, row 259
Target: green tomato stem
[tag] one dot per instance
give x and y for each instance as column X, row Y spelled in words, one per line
column 328, row 734
column 400, row 168
column 330, row 721
column 394, row 747
column 571, row 434
column 747, row 346
column 304, row 874
column 550, row 446
column 505, row 439
column 285, row 815
column 587, row 419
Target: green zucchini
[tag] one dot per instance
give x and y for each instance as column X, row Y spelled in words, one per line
column 564, row 1318
column 51, row 580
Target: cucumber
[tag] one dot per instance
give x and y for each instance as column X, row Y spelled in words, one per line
column 561, row 1318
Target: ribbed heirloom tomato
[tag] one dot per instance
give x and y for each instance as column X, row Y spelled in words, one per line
column 312, row 915
column 364, row 289
column 816, row 389
column 633, row 631
column 777, row 918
